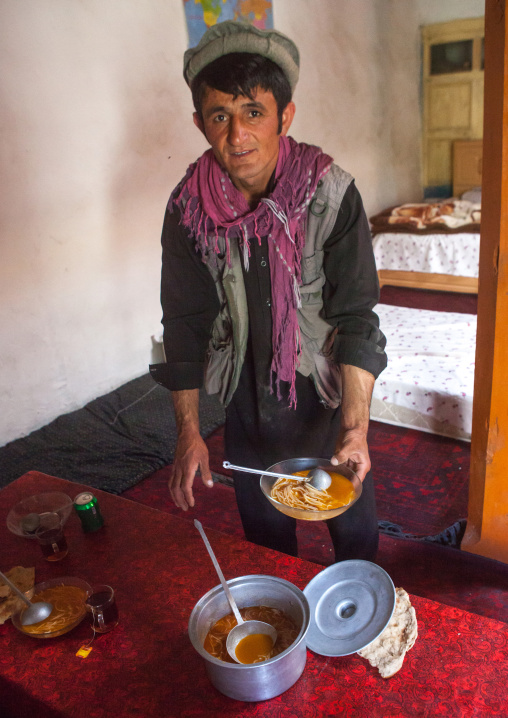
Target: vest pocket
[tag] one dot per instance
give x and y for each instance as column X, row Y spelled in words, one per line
column 310, row 269
column 313, row 277
column 219, row 370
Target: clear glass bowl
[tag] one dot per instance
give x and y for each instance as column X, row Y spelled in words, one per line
column 65, row 581
column 290, row 466
column 44, row 503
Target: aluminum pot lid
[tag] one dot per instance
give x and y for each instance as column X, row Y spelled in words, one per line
column 351, row 603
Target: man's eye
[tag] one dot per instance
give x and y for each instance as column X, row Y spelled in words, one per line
column 219, row 118
column 255, row 113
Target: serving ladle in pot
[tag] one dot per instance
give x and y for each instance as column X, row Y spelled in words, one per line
column 317, row 478
column 243, row 628
column 35, row 612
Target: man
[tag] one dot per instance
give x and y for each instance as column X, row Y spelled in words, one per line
column 268, row 286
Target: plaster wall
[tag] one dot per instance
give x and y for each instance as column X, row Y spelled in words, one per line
column 96, row 130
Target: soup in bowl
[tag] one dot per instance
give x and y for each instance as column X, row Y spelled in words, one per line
column 302, row 502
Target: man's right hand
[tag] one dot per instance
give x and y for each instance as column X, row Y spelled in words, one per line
column 191, row 453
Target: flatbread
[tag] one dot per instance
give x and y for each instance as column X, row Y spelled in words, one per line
column 10, row 603
column 388, row 650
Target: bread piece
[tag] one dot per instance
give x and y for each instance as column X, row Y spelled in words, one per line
column 387, row 651
column 10, row 603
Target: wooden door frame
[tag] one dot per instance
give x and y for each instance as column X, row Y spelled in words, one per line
column 487, row 526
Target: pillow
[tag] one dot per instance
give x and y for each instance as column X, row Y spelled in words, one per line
column 473, row 195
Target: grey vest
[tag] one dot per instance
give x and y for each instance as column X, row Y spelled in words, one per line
column 230, row 331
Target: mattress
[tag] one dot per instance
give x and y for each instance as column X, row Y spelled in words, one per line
column 456, row 253
column 428, row 384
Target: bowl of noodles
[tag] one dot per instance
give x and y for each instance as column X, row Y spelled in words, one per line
column 68, row 596
column 302, row 501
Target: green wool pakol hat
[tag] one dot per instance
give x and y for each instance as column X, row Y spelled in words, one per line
column 231, row 36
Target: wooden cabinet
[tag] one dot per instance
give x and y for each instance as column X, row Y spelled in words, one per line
column 467, row 165
column 452, row 97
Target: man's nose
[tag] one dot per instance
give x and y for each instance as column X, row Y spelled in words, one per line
column 237, row 131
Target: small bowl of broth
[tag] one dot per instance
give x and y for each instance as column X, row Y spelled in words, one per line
column 68, row 597
column 301, row 501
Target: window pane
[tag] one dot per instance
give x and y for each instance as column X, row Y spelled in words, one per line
column 451, row 57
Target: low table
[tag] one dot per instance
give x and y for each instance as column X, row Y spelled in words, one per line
column 146, row 666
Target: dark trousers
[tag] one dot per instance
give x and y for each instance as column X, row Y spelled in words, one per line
column 310, row 430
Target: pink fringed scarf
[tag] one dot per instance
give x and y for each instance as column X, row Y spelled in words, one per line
column 211, row 206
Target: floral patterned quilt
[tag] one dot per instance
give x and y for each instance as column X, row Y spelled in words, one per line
column 428, row 384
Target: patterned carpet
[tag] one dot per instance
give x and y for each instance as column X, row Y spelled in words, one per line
column 423, row 568
column 430, row 299
column 421, row 479
column 421, row 486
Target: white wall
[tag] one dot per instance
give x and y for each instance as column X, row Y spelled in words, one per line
column 359, row 96
column 346, row 101
column 93, row 107
column 433, row 11
column 96, row 130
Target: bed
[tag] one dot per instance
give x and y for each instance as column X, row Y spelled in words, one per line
column 429, row 245
column 435, row 245
column 428, row 384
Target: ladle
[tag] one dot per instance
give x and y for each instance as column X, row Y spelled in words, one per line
column 318, row 478
column 243, row 628
column 35, row 612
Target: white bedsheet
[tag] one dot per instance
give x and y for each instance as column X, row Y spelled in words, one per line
column 428, row 384
column 455, row 254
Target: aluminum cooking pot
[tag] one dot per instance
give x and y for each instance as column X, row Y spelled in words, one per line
column 257, row 681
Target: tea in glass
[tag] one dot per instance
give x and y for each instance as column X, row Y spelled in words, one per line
column 102, row 607
column 51, row 539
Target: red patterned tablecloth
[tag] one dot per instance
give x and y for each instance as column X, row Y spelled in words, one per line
column 147, row 666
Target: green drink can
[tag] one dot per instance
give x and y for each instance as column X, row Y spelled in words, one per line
column 88, row 510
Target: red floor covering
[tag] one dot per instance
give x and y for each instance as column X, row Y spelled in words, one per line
column 429, row 299
column 443, row 574
column 147, row 668
column 429, row 476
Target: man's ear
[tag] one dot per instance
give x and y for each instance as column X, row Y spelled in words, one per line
column 287, row 117
column 198, row 122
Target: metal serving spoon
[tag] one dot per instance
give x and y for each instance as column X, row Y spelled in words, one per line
column 318, row 478
column 243, row 628
column 35, row 612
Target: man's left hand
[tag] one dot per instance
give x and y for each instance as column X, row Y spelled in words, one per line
column 352, row 449
column 351, row 446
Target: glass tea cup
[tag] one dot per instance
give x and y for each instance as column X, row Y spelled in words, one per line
column 102, row 608
column 50, row 537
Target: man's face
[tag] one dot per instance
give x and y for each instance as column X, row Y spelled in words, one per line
column 243, row 134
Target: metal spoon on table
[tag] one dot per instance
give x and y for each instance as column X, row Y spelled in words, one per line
column 243, row 628
column 317, row 478
column 36, row 611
